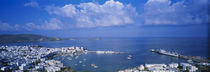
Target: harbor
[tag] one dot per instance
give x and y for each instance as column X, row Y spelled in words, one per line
column 38, row 58
column 194, row 64
column 104, row 35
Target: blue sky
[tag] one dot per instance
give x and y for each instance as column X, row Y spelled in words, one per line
column 105, row 18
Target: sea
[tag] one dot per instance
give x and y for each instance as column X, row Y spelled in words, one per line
column 138, row 47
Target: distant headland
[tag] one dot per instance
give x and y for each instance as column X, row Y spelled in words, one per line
column 19, row 38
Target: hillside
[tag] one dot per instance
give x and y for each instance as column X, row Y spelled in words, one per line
column 25, row 38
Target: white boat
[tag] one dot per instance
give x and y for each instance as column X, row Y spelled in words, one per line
column 129, row 57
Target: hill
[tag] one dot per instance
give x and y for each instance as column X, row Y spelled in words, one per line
column 25, row 38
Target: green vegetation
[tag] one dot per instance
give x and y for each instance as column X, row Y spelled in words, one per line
column 66, row 69
column 25, row 38
column 202, row 68
column 3, row 49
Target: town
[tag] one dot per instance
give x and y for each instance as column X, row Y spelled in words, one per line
column 173, row 67
column 38, row 58
column 34, row 58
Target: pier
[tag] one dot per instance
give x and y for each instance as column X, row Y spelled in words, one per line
column 174, row 54
column 105, row 52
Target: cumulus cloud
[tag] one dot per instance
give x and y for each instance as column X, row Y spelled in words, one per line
column 5, row 26
column 32, row 4
column 115, row 13
column 88, row 15
column 181, row 12
column 53, row 24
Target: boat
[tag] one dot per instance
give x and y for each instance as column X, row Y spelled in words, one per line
column 129, row 57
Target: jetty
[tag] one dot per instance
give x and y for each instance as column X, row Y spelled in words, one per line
column 174, row 54
column 105, row 52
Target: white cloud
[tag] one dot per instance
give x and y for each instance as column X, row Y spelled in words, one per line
column 5, row 26
column 66, row 11
column 32, row 4
column 53, row 24
column 115, row 13
column 166, row 12
column 87, row 15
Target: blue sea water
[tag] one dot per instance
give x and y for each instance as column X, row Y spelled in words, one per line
column 139, row 48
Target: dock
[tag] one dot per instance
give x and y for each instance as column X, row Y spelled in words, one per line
column 174, row 54
column 105, row 52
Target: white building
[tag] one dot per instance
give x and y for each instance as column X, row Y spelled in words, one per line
column 3, row 68
column 153, row 67
column 141, row 67
column 173, row 65
column 189, row 67
column 193, row 68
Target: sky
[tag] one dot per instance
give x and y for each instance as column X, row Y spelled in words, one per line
column 105, row 18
